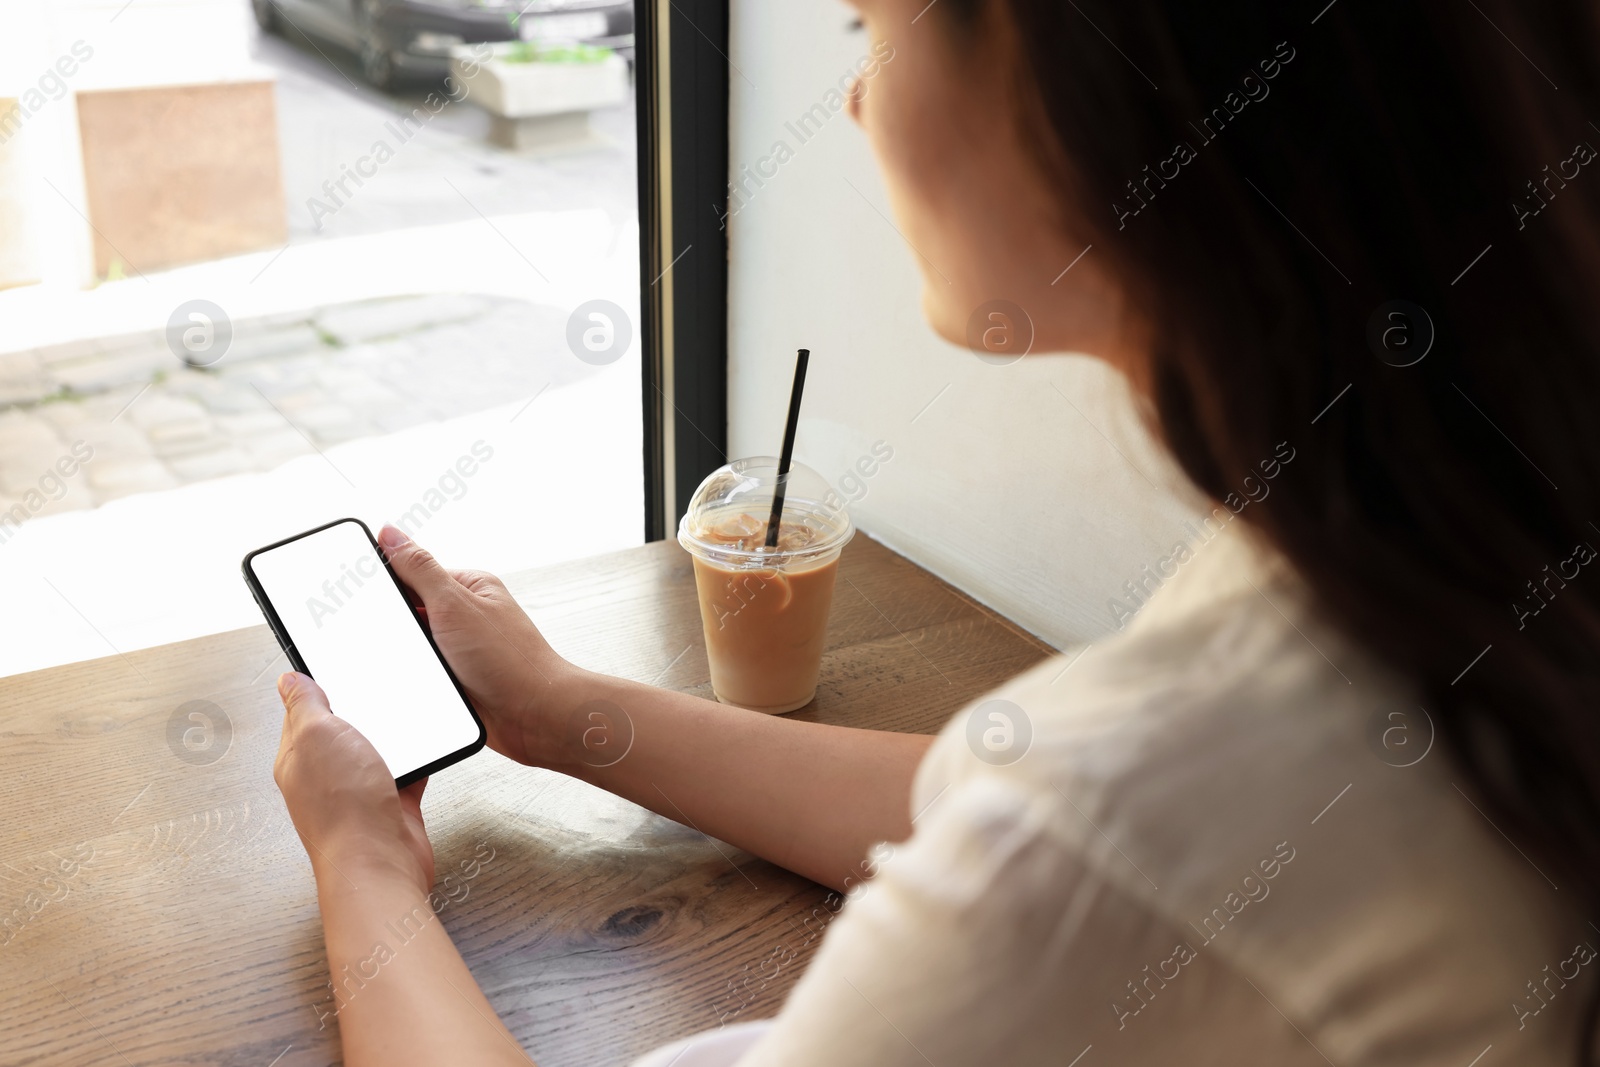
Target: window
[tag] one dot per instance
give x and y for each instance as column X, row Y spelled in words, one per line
column 264, row 263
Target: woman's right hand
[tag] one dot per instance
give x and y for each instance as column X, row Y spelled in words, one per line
column 514, row 678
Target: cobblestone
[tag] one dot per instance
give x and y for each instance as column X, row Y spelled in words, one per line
column 211, row 463
column 403, row 417
column 63, row 416
column 370, row 321
column 330, row 423
column 269, row 450
column 21, row 429
column 120, row 477
column 70, row 351
column 160, row 409
column 250, row 423
column 252, row 344
column 120, row 439
column 21, row 378
column 19, row 479
column 74, row 499
column 329, row 374
column 94, row 374
column 222, row 397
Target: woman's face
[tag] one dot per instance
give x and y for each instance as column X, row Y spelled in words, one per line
column 983, row 223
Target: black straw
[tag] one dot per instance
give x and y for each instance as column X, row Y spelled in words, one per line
column 776, row 519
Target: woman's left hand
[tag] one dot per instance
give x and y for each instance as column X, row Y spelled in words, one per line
column 341, row 796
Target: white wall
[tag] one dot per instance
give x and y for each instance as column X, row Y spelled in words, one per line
column 105, row 44
column 146, row 42
column 999, row 486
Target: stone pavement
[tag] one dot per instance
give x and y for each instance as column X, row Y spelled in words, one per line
column 287, row 385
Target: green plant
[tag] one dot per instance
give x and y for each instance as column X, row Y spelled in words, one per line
column 553, row 52
column 61, row 395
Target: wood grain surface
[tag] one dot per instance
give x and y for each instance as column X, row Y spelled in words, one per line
column 156, row 907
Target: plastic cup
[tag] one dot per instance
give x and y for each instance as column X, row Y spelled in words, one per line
column 764, row 610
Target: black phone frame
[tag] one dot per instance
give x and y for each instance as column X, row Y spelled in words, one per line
column 282, row 634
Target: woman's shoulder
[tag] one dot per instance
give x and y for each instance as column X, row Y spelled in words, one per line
column 1226, row 665
column 1268, row 786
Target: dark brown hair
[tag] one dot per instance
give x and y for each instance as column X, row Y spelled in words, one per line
column 1342, row 158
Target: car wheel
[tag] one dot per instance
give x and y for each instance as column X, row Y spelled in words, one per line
column 377, row 65
column 377, row 62
column 266, row 13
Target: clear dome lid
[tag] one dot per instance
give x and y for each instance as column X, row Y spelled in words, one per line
column 728, row 515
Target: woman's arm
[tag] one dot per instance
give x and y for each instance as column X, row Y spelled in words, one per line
column 808, row 797
column 401, row 993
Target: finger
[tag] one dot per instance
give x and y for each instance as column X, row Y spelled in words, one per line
column 411, row 796
column 406, row 591
column 302, row 698
column 416, row 566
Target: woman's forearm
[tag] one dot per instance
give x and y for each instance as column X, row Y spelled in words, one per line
column 401, row 993
column 808, row 797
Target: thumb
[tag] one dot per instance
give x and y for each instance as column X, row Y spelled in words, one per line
column 411, row 796
column 301, row 696
column 416, row 566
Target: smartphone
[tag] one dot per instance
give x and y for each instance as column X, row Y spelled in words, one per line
column 342, row 617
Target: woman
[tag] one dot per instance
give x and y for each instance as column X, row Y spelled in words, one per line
column 1344, row 255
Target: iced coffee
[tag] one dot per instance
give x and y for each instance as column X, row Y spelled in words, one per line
column 764, row 608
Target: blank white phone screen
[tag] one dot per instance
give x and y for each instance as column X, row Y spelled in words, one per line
column 360, row 640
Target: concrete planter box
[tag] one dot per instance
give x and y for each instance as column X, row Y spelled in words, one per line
column 541, row 103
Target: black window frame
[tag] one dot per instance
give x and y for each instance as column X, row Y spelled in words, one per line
column 682, row 107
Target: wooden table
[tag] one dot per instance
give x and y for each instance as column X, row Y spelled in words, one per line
column 158, row 909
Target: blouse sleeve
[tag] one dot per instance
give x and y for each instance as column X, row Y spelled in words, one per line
column 983, row 939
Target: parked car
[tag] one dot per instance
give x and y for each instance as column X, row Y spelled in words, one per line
column 413, row 38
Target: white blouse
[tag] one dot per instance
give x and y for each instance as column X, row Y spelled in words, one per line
column 1224, row 835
